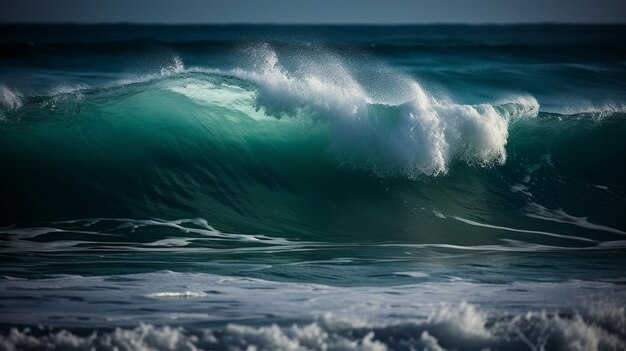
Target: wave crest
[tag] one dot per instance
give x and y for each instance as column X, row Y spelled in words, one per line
column 418, row 137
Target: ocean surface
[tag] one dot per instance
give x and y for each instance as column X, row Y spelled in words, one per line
column 312, row 187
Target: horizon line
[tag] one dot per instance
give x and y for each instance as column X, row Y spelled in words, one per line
column 312, row 24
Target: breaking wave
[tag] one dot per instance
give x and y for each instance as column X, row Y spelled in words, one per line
column 420, row 136
column 187, row 141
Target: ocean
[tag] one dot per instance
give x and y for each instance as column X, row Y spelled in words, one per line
column 234, row 187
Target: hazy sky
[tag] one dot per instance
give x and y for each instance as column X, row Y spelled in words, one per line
column 314, row 11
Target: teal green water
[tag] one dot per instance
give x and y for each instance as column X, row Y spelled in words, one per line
column 337, row 188
column 197, row 145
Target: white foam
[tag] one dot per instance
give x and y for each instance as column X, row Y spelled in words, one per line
column 412, row 274
column 464, row 318
column 9, row 99
column 177, row 66
column 561, row 236
column 535, row 210
column 177, row 294
column 448, row 327
column 420, row 136
column 597, row 111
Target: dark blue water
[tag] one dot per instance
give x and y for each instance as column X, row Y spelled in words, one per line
column 312, row 187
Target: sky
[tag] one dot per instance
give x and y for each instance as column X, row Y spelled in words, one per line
column 313, row 11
